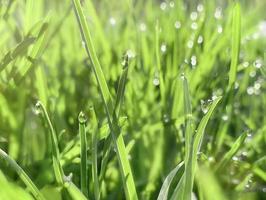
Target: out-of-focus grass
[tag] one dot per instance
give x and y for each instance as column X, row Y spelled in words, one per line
column 170, row 82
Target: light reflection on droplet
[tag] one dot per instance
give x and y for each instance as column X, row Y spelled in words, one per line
column 142, row 27
column 200, row 39
column 112, row 21
column 219, row 29
column 163, row 48
column 194, row 26
column 177, row 24
column 163, row 5
column 200, row 8
column 193, row 16
column 250, row 90
column 218, row 13
column 172, row 4
column 190, row 44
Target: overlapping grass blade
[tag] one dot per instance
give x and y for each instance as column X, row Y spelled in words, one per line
column 236, row 37
column 233, row 150
column 83, row 153
column 125, row 169
column 94, row 152
column 23, row 176
column 167, row 182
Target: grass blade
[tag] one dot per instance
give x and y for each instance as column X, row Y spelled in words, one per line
column 118, row 140
column 233, row 150
column 74, row 192
column 167, row 182
column 94, row 152
column 58, row 170
column 83, row 153
column 23, row 176
column 236, row 37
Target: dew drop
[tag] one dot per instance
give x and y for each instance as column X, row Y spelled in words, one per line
column 225, row 117
column 177, row 24
column 82, row 118
column 200, row 8
column 182, row 76
column 172, row 4
column 235, row 158
column 219, row 29
column 190, row 44
column 193, row 16
column 200, row 39
column 204, row 106
column 252, row 74
column 38, row 108
column 163, row 48
column 250, row 90
column 194, row 26
column 166, row 118
column 257, row 64
column 142, row 27
column 112, row 21
column 163, row 5
column 156, row 81
column 218, row 13
column 193, row 60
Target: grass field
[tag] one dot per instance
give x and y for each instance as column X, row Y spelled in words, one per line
column 133, row 99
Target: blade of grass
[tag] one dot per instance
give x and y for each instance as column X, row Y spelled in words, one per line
column 188, row 178
column 58, row 170
column 83, row 153
column 236, row 37
column 23, row 176
column 233, row 150
column 167, row 182
column 94, row 154
column 127, row 176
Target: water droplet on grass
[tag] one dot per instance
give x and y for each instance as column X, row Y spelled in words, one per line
column 177, row 24
column 193, row 60
column 252, row 74
column 163, row 5
column 257, row 64
column 218, row 13
column 200, row 8
column 172, row 4
column 194, row 26
column 156, row 81
column 200, row 39
column 219, row 29
column 163, row 48
column 250, row 90
column 194, row 16
column 225, row 117
column 38, row 108
column 112, row 21
column 82, row 118
column 142, row 27
column 190, row 44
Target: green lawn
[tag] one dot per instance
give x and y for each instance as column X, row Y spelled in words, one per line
column 133, row 99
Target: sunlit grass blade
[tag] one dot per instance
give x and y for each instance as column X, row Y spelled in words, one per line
column 94, row 152
column 74, row 192
column 188, row 176
column 20, row 50
column 236, row 37
column 233, row 150
column 58, row 170
column 83, row 153
column 167, row 182
column 35, row 52
column 23, row 176
column 209, row 186
column 118, row 140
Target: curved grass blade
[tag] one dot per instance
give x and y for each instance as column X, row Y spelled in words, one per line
column 83, row 153
column 233, row 150
column 236, row 37
column 58, row 170
column 23, row 176
column 118, row 140
column 167, row 182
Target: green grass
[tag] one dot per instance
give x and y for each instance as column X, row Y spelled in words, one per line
column 172, row 95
